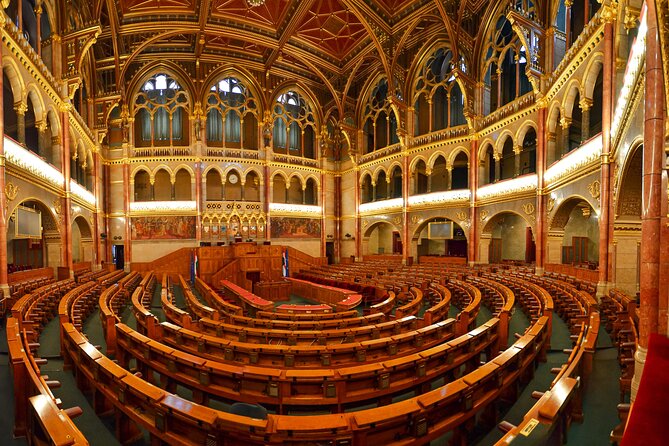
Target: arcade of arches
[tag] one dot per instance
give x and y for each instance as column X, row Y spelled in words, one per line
column 522, row 133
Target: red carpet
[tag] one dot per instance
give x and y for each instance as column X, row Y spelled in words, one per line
column 649, row 421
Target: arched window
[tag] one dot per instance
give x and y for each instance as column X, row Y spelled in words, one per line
column 142, row 186
column 439, row 175
column 420, row 185
column 214, row 186
column 8, row 111
column 232, row 115
column 528, row 154
column 438, row 101
column 294, row 125
column 508, row 161
column 366, row 190
column 381, row 186
column 161, row 113
column 575, row 125
column 233, row 186
column 396, row 183
column 182, row 186
column 490, row 167
column 595, row 117
column 379, row 120
column 162, row 186
column 460, row 172
column 280, row 193
column 504, row 62
column 252, row 187
column 311, row 192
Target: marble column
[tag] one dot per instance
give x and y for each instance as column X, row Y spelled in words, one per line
column 358, row 232
column 585, row 105
column 66, row 231
column 651, row 205
column 472, row 239
column 127, row 248
column 605, row 215
column 540, row 236
column 20, row 108
column 267, row 182
column 516, row 160
column 4, row 287
column 406, row 236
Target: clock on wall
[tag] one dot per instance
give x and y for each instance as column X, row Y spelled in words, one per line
column 233, row 179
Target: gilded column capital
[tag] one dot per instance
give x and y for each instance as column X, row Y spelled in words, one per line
column 20, row 108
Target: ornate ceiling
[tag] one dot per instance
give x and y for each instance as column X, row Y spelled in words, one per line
column 331, row 45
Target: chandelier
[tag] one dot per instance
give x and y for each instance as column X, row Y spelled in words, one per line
column 253, row 3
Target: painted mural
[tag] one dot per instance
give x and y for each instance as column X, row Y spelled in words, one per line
column 290, row 227
column 162, row 228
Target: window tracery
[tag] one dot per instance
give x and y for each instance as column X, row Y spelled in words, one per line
column 232, row 115
column 294, row 125
column 161, row 113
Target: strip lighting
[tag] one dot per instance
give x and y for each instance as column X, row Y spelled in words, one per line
column 445, row 197
column 635, row 64
column 382, row 205
column 508, row 187
column 162, row 206
column 80, row 192
column 33, row 163
column 286, row 208
column 575, row 160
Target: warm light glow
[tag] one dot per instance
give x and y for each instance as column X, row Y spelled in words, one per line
column 635, row 64
column 508, row 187
column 31, row 162
column 162, row 206
column 575, row 160
column 445, row 197
column 81, row 193
column 285, row 208
column 382, row 205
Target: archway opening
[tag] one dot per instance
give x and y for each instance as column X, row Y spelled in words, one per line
column 381, row 238
column 440, row 237
column 82, row 240
column 573, row 236
column 507, row 237
column 33, row 239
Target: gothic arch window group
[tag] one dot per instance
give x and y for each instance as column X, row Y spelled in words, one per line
column 379, row 120
column 294, row 125
column 161, row 113
column 232, row 115
column 163, row 185
column 438, row 98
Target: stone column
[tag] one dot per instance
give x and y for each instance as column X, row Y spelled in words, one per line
column 567, row 5
column 4, row 287
column 651, row 210
column 516, row 160
column 472, row 239
column 38, row 36
column 449, row 180
column 20, row 108
column 605, row 215
column 565, row 123
column 586, row 105
column 266, row 181
column 540, row 236
column 373, row 190
column 428, row 173
column 95, row 264
column 497, row 159
column 66, row 231
column 406, row 236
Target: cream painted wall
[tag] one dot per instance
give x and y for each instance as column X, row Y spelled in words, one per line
column 380, row 240
column 579, row 225
column 76, row 244
column 627, row 251
column 512, row 232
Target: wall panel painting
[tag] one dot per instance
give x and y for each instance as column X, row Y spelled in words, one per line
column 290, row 227
column 163, row 228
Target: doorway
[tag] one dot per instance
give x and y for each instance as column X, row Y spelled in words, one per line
column 329, row 252
column 118, row 257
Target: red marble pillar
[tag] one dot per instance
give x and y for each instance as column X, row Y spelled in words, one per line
column 127, row 239
column 66, row 231
column 605, row 215
column 540, row 236
column 337, row 214
column 198, row 201
column 358, row 233
column 268, row 185
column 406, row 236
column 3, row 202
column 321, row 202
column 96, row 227
column 473, row 241
column 653, row 194
column 653, row 162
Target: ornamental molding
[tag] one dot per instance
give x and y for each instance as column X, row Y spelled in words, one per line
column 528, row 208
column 165, row 207
column 11, row 191
column 594, row 189
column 295, row 209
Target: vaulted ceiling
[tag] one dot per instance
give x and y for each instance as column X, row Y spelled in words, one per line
column 332, row 45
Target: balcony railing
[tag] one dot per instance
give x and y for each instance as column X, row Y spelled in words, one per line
column 575, row 160
column 440, row 135
column 150, row 207
column 301, row 209
column 519, row 104
column 222, row 152
column 82, row 193
column 161, row 151
column 33, row 163
column 444, row 197
column 508, row 188
column 297, row 160
column 380, row 153
column 382, row 205
column 229, row 206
